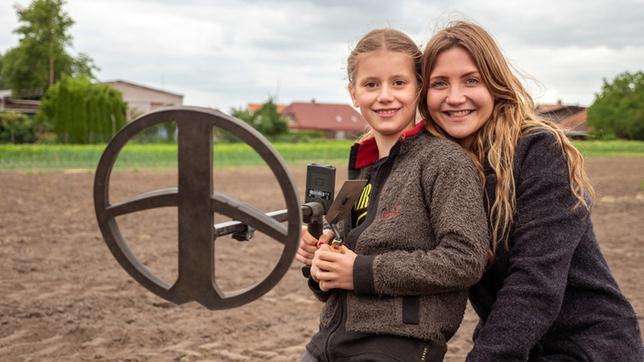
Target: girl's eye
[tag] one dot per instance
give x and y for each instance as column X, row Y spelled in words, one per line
column 399, row 83
column 370, row 84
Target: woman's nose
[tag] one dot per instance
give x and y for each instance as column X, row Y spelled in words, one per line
column 455, row 96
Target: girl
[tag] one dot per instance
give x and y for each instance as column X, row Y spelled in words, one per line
column 549, row 294
column 416, row 239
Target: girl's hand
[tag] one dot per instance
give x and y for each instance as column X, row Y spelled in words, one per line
column 333, row 269
column 308, row 245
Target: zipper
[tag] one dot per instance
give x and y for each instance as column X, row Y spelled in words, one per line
column 340, row 319
column 379, row 180
column 380, row 177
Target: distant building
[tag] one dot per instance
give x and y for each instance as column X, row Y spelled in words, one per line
column 8, row 104
column 142, row 99
column 339, row 121
column 254, row 107
column 570, row 118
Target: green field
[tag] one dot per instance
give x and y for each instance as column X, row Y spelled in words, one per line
column 141, row 156
column 611, row 148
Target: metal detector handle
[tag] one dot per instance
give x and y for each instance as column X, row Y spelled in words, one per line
column 320, row 190
column 314, row 227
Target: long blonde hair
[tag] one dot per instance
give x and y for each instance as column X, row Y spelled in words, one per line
column 513, row 114
column 387, row 39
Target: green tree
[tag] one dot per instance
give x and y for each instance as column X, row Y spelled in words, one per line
column 3, row 84
column 16, row 128
column 267, row 120
column 40, row 59
column 618, row 110
column 81, row 111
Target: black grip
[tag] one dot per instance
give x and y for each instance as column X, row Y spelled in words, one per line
column 306, row 271
column 315, row 229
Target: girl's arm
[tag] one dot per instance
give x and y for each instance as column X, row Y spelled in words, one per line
column 454, row 197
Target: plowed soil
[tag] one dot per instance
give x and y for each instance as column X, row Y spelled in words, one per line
column 64, row 297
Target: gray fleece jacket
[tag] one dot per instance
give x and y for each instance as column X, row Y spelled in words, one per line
column 422, row 244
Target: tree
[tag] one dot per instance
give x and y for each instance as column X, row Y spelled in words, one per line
column 3, row 84
column 267, row 120
column 618, row 110
column 16, row 128
column 83, row 112
column 40, row 59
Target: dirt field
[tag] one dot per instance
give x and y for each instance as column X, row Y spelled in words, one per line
column 64, row 297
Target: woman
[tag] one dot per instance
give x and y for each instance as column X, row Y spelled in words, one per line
column 548, row 293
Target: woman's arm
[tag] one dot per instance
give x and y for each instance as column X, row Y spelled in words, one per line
column 546, row 232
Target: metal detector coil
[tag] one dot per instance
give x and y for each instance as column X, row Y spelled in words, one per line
column 197, row 202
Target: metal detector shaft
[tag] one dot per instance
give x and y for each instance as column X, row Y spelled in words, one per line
column 309, row 210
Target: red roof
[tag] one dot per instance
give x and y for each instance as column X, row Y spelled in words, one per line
column 575, row 122
column 325, row 116
column 545, row 108
column 254, row 107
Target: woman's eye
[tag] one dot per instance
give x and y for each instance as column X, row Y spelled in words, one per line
column 438, row 84
column 472, row 81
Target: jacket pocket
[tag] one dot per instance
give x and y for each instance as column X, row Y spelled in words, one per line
column 410, row 309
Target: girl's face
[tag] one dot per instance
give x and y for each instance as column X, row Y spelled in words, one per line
column 458, row 100
column 386, row 91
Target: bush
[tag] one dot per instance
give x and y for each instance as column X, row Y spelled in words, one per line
column 83, row 112
column 300, row 137
column 16, row 128
column 267, row 120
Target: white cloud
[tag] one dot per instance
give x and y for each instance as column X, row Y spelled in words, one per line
column 227, row 53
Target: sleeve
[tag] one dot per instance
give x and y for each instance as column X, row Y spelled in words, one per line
column 454, row 197
column 317, row 292
column 547, row 229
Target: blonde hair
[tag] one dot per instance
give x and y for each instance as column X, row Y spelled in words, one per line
column 513, row 115
column 387, row 39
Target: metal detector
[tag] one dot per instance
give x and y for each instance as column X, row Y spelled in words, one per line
column 197, row 201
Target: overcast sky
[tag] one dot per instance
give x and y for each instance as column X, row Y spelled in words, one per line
column 225, row 54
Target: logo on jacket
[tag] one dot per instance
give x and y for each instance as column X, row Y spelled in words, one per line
column 391, row 213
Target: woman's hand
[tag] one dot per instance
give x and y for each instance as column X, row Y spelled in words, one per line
column 308, row 245
column 333, row 269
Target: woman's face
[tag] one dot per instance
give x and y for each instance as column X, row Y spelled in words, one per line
column 458, row 100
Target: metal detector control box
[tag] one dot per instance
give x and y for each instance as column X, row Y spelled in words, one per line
column 320, row 184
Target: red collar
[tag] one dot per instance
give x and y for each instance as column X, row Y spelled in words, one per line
column 368, row 149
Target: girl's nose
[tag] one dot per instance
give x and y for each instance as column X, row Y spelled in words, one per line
column 385, row 95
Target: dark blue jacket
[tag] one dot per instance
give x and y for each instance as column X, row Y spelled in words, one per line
column 551, row 296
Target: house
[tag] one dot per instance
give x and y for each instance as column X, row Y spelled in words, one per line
column 142, row 99
column 339, row 121
column 254, row 107
column 8, row 104
column 571, row 118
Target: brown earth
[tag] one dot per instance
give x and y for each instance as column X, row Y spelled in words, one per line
column 63, row 296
